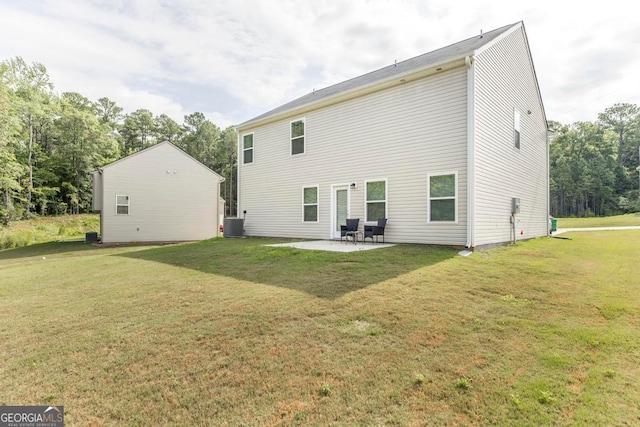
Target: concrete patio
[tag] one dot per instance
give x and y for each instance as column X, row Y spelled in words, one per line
column 334, row 245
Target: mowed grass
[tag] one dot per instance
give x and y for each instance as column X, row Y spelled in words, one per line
column 231, row 332
column 46, row 229
column 632, row 219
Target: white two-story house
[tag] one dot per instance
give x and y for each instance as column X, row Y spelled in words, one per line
column 450, row 146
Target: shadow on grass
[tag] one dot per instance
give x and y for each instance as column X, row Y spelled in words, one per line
column 323, row 274
column 41, row 249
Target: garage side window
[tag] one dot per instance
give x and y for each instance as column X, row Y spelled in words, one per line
column 122, row 205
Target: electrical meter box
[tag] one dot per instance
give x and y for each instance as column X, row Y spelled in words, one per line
column 515, row 205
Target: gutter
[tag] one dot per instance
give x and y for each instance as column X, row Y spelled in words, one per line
column 471, row 152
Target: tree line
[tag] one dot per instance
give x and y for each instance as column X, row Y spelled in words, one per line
column 50, row 143
column 594, row 165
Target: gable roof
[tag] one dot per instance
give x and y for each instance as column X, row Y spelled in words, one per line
column 455, row 52
column 160, row 144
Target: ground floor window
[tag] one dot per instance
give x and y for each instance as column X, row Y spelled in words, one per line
column 310, row 204
column 443, row 191
column 376, row 199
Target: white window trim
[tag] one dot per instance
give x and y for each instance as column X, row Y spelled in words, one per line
column 128, row 205
column 386, row 199
column 516, row 128
column 304, row 135
column 429, row 198
column 317, row 203
column 253, row 151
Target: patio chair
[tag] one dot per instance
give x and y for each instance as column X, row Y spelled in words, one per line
column 349, row 229
column 375, row 230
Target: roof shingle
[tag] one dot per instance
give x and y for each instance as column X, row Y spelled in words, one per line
column 439, row 56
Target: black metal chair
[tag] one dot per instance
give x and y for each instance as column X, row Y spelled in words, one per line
column 349, row 229
column 375, row 230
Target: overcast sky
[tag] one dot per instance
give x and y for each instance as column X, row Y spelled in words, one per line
column 233, row 60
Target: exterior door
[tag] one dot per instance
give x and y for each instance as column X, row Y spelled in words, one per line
column 340, row 209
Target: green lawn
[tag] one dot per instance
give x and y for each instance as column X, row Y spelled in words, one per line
column 230, row 332
column 605, row 221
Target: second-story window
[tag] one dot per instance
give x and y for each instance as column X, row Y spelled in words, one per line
column 247, row 148
column 297, row 137
column 516, row 128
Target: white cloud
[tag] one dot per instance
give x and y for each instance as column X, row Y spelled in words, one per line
column 253, row 56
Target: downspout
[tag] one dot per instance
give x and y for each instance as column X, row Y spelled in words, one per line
column 471, row 154
column 238, row 156
column 101, row 172
column 222, row 179
column 548, row 181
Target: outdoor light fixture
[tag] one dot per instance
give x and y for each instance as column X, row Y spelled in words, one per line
column 353, row 185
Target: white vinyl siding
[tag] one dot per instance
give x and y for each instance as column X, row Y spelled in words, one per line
column 442, row 193
column 97, row 191
column 310, row 204
column 298, row 137
column 122, row 204
column 504, row 81
column 401, row 132
column 247, row 148
column 376, row 200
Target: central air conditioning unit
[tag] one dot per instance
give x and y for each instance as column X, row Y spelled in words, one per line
column 233, row 227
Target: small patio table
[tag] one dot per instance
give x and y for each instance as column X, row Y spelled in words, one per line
column 354, row 235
